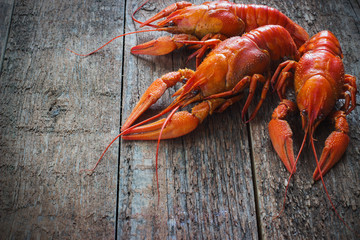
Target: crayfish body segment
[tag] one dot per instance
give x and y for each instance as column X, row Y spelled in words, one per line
column 205, row 20
column 230, row 68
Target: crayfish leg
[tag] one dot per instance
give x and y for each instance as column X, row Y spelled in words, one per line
column 209, row 41
column 262, row 98
column 229, row 102
column 240, row 86
column 349, row 86
column 282, row 77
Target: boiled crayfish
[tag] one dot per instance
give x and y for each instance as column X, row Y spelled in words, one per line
column 319, row 81
column 233, row 65
column 217, row 20
column 220, row 18
column 241, row 62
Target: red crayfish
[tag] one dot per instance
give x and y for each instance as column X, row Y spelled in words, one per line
column 218, row 19
column 241, row 62
column 232, row 66
column 319, row 81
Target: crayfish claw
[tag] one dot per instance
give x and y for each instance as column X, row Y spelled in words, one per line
column 281, row 134
column 154, row 92
column 335, row 145
column 162, row 45
column 281, row 138
column 180, row 124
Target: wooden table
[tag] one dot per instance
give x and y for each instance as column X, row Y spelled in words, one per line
column 224, row 180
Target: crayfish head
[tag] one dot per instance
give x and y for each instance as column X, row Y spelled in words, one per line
column 199, row 20
column 315, row 101
column 183, row 20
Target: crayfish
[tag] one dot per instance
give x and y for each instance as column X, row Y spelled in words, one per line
column 319, row 81
column 232, row 66
column 210, row 20
column 237, row 63
column 218, row 19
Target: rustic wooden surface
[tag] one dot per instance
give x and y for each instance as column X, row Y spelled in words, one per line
column 224, row 180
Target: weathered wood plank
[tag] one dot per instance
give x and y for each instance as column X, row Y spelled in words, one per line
column 206, row 188
column 57, row 114
column 6, row 8
column 56, row 107
column 308, row 214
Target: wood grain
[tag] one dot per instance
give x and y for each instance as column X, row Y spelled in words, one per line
column 6, row 8
column 58, row 111
column 57, row 114
column 205, row 190
column 308, row 214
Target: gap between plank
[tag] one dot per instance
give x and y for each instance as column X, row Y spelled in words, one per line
column 256, row 193
column 6, row 36
column 120, row 105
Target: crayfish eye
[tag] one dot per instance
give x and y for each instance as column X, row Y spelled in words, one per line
column 320, row 117
column 184, row 80
column 170, row 24
column 195, row 91
column 304, row 113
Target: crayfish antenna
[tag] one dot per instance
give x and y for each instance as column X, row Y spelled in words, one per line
column 157, row 150
column 291, row 174
column 165, row 13
column 102, row 155
column 122, row 35
column 135, row 20
column 126, row 131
